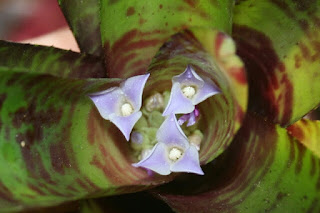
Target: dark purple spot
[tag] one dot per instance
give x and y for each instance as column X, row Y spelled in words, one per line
column 130, row 11
column 59, row 157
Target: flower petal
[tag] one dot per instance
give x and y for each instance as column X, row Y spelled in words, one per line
column 157, row 160
column 184, row 118
column 189, row 76
column 192, row 119
column 107, row 102
column 189, row 162
column 125, row 124
column 171, row 134
column 209, row 89
column 133, row 89
column 178, row 103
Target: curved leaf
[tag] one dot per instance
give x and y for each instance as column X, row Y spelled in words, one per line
column 308, row 133
column 212, row 54
column 55, row 146
column 264, row 170
column 48, row 60
column 281, row 53
column 84, row 20
column 133, row 31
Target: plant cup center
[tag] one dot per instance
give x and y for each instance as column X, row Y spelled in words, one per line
column 126, row 109
column 154, row 102
column 175, row 154
column 189, row 91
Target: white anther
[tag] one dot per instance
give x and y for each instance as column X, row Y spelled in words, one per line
column 175, row 154
column 126, row 109
column 22, row 143
column 188, row 91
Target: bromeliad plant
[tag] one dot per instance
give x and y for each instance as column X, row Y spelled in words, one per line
column 119, row 117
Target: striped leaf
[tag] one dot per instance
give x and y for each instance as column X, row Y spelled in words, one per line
column 48, row 60
column 279, row 42
column 308, row 133
column 133, row 31
column 264, row 170
column 84, row 20
column 55, row 146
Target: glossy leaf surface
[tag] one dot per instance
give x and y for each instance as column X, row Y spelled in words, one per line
column 281, row 53
column 133, row 31
column 55, row 147
column 48, row 60
column 308, row 133
column 264, row 170
column 84, row 20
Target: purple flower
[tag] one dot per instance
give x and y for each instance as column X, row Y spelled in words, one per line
column 173, row 152
column 188, row 90
column 121, row 105
column 191, row 117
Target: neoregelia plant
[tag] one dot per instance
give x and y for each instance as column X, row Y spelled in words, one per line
column 120, row 117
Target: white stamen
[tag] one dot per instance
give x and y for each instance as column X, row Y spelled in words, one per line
column 22, row 143
column 175, row 154
column 126, row 109
column 188, row 91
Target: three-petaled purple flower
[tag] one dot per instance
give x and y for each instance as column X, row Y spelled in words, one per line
column 188, row 90
column 173, row 152
column 121, row 105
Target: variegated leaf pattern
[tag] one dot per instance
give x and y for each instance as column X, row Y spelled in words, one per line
column 279, row 42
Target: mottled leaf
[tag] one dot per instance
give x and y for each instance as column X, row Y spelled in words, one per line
column 49, row 60
column 133, row 31
column 55, row 146
column 212, row 54
column 84, row 20
column 264, row 170
column 279, row 42
column 308, row 133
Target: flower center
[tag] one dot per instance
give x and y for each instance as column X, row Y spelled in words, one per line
column 188, row 91
column 126, row 109
column 175, row 154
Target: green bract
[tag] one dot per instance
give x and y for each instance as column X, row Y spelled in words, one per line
column 263, row 56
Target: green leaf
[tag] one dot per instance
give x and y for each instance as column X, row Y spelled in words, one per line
column 264, row 170
column 279, row 42
column 55, row 146
column 212, row 54
column 84, row 20
column 132, row 32
column 48, row 60
column 308, row 133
